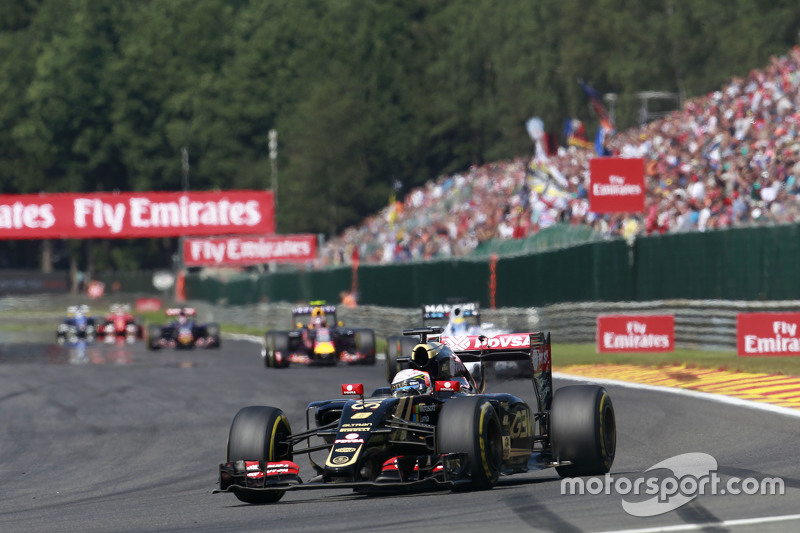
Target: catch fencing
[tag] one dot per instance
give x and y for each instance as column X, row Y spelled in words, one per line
column 752, row 264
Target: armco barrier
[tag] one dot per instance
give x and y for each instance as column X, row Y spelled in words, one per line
column 702, row 324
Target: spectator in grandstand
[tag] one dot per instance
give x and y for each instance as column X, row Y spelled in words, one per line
column 730, row 158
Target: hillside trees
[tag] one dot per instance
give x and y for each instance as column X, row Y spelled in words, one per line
column 101, row 95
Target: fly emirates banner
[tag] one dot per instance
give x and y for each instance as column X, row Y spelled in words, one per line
column 133, row 215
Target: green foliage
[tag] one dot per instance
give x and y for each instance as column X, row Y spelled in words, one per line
column 102, row 95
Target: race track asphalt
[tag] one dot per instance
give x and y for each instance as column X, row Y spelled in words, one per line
column 118, row 439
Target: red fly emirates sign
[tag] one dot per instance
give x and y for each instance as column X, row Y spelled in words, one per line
column 133, row 215
column 767, row 334
column 617, row 185
column 249, row 250
column 636, row 333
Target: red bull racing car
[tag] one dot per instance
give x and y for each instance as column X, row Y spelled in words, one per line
column 434, row 427
column 183, row 331
column 318, row 339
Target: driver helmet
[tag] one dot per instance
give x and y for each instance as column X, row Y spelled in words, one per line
column 318, row 318
column 182, row 318
column 411, row 382
column 458, row 324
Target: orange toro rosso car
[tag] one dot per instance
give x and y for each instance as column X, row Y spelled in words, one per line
column 318, row 339
column 433, row 427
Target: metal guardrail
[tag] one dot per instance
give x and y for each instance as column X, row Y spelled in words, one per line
column 703, row 324
column 700, row 324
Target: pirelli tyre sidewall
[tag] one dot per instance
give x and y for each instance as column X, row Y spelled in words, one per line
column 256, row 435
column 365, row 344
column 583, row 430
column 392, row 347
column 213, row 333
column 154, row 334
column 470, row 425
column 276, row 341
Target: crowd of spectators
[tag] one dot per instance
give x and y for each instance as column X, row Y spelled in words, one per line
column 728, row 159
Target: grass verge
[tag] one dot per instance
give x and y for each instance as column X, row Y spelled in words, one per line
column 563, row 354
column 586, row 354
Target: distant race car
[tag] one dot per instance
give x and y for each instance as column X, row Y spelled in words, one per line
column 119, row 323
column 78, row 325
column 318, row 339
column 456, row 319
column 433, row 428
column 183, row 332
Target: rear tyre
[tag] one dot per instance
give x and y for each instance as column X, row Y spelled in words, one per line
column 583, row 430
column 392, row 347
column 365, row 344
column 276, row 341
column 213, row 333
column 471, row 426
column 153, row 336
column 258, row 434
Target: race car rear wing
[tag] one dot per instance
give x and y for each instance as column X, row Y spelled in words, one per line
column 533, row 347
column 175, row 311
column 307, row 309
column 442, row 311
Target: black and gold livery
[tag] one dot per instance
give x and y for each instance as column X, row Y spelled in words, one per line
column 455, row 436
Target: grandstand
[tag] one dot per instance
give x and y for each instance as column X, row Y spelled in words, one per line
column 728, row 159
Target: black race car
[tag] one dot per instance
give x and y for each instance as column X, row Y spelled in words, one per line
column 318, row 339
column 445, row 433
column 183, row 331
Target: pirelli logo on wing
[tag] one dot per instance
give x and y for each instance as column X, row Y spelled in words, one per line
column 500, row 342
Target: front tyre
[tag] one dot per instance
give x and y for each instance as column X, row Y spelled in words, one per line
column 276, row 341
column 392, row 344
column 583, row 430
column 154, row 334
column 471, row 426
column 258, row 433
column 365, row 344
column 213, row 334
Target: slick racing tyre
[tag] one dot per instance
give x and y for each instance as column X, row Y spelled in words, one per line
column 471, row 426
column 583, row 430
column 365, row 344
column 392, row 347
column 257, row 434
column 396, row 346
column 276, row 341
column 213, row 334
column 153, row 337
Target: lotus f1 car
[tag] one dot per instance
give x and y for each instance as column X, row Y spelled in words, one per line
column 449, row 435
column 183, row 331
column 319, row 339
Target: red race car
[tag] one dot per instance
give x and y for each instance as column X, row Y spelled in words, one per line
column 119, row 323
